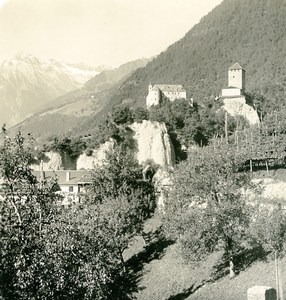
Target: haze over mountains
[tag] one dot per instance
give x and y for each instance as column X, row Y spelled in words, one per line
column 27, row 83
column 67, row 111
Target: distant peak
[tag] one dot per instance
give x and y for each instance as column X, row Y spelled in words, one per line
column 25, row 57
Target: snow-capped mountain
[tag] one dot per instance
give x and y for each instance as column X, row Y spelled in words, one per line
column 27, row 83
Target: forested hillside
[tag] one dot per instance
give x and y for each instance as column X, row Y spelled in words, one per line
column 251, row 32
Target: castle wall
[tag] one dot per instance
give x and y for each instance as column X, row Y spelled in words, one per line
column 175, row 95
column 172, row 92
column 231, row 92
column 153, row 98
column 235, row 100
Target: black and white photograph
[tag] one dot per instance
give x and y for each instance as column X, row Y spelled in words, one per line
column 142, row 150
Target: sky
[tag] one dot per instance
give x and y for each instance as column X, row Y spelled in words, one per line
column 96, row 32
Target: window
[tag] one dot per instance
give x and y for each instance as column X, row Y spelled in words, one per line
column 70, row 189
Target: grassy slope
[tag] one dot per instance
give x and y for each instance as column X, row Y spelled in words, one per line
column 158, row 272
column 260, row 273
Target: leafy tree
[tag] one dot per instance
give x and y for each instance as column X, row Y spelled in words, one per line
column 83, row 262
column 71, row 146
column 120, row 174
column 269, row 228
column 121, row 114
column 205, row 210
column 49, row 252
column 123, row 197
column 27, row 209
column 139, row 114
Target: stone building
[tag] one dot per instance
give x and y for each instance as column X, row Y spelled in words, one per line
column 233, row 97
column 171, row 91
column 236, row 84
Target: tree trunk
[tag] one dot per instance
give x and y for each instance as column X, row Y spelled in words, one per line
column 231, row 268
column 122, row 262
column 230, row 257
column 276, row 275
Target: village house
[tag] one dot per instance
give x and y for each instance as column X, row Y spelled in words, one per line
column 71, row 183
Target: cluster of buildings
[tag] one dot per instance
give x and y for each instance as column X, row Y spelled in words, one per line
column 234, row 91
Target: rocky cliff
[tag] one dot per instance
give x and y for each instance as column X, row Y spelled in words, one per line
column 152, row 143
column 96, row 159
column 236, row 108
column 52, row 162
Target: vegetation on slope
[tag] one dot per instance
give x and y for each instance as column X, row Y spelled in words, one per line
column 251, row 32
column 49, row 252
column 118, row 202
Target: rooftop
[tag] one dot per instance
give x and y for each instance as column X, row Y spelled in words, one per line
column 169, row 87
column 236, row 66
column 68, row 177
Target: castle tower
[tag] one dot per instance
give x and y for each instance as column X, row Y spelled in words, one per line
column 153, row 97
column 236, row 76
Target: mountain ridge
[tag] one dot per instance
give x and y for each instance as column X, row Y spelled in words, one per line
column 250, row 32
column 27, row 83
column 75, row 107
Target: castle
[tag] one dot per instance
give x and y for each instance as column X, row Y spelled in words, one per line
column 171, row 91
column 236, row 85
column 233, row 97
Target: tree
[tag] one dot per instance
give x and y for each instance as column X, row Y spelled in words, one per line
column 206, row 210
column 50, row 252
column 139, row 114
column 83, row 262
column 27, row 209
column 71, row 146
column 122, row 196
column 268, row 229
column 121, row 114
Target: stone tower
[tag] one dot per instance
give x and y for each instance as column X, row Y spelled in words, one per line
column 154, row 96
column 233, row 97
column 236, row 76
